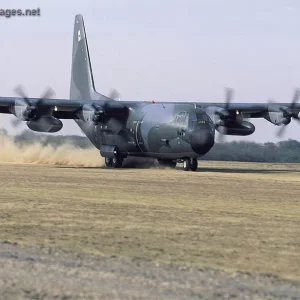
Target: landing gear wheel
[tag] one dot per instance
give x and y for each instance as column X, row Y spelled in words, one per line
column 108, row 162
column 194, row 164
column 117, row 161
column 186, row 165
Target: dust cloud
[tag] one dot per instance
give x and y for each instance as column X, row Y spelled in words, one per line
column 35, row 153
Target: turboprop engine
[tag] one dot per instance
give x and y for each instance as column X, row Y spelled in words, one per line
column 39, row 118
column 31, row 112
column 228, row 121
column 277, row 118
column 282, row 115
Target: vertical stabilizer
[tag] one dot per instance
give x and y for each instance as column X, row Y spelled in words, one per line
column 82, row 82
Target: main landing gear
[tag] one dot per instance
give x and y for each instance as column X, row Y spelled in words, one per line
column 115, row 162
column 190, row 164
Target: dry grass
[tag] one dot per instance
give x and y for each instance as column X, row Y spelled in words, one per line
column 233, row 216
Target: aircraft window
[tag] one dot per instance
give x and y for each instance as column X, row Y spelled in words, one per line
column 182, row 118
column 192, row 120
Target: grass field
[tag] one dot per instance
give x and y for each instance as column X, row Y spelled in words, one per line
column 232, row 216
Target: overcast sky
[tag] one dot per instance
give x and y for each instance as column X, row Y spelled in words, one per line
column 169, row 50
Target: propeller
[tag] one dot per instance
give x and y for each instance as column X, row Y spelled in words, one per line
column 114, row 94
column 112, row 123
column 288, row 113
column 19, row 90
column 98, row 113
column 31, row 109
column 48, row 93
column 15, row 122
column 229, row 95
column 223, row 114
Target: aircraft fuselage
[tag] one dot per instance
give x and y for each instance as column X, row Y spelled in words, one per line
column 165, row 131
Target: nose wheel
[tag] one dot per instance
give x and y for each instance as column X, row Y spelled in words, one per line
column 115, row 162
column 108, row 162
column 190, row 164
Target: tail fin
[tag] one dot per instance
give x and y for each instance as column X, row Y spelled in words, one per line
column 82, row 82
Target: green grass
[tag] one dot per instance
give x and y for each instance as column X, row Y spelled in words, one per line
column 232, row 216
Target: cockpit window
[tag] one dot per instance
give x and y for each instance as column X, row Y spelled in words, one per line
column 182, row 118
column 193, row 121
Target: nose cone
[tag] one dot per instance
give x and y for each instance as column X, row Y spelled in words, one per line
column 202, row 140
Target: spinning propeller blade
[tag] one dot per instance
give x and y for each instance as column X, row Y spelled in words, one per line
column 115, row 95
column 48, row 93
column 20, row 91
column 289, row 114
column 15, row 122
column 229, row 95
column 228, row 99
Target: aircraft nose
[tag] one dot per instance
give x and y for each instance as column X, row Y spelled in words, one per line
column 202, row 140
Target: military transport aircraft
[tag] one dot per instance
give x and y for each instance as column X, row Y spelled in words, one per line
column 170, row 132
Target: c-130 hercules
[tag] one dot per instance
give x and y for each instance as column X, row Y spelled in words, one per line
column 167, row 131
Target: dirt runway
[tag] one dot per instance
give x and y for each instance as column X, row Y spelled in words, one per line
column 41, row 273
column 229, row 231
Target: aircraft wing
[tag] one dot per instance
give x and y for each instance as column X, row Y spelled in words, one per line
column 52, row 110
column 62, row 109
column 252, row 110
column 277, row 113
column 58, row 108
column 45, row 114
column 70, row 109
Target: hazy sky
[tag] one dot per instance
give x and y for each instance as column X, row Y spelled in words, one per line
column 169, row 50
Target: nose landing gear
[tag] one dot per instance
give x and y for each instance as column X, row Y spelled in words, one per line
column 113, row 157
column 190, row 164
column 115, row 162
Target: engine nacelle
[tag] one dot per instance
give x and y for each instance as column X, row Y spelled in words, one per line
column 277, row 118
column 236, row 128
column 45, row 124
